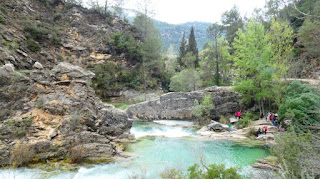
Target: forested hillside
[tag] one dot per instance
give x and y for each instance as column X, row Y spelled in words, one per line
column 171, row 33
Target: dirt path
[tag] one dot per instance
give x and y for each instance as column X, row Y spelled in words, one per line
column 312, row 82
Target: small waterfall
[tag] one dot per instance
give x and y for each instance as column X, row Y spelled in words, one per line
column 170, row 129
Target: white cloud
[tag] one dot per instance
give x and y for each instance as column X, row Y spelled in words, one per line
column 180, row 11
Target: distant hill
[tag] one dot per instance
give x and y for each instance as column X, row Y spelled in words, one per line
column 172, row 33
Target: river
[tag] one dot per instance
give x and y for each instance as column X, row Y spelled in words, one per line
column 161, row 145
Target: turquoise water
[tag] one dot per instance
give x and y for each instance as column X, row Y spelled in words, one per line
column 161, row 145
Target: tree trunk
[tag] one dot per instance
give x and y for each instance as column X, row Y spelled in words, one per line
column 217, row 63
column 262, row 107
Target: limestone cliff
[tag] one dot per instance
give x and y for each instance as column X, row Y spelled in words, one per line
column 179, row 105
column 56, row 114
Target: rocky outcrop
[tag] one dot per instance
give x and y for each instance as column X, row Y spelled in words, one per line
column 56, row 114
column 180, row 105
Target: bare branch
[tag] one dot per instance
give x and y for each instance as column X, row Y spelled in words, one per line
column 305, row 14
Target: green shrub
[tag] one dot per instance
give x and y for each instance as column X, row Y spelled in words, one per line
column 20, row 133
column 1, row 19
column 243, row 123
column 39, row 104
column 55, row 40
column 21, row 155
column 251, row 116
column 299, row 154
column 171, row 174
column 35, row 32
column 32, row 45
column 301, row 106
column 224, row 120
column 124, row 43
column 25, row 122
column 251, row 132
column 57, row 16
column 203, row 109
column 212, row 171
column 60, row 58
column 75, row 121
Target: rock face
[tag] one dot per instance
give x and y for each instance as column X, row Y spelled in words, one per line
column 179, row 105
column 56, row 114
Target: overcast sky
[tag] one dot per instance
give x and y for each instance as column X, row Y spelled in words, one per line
column 180, row 11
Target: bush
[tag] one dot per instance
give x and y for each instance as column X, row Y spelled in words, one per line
column 25, row 122
column 251, row 116
column 299, row 154
column 39, row 104
column 301, row 106
column 57, row 16
column 243, row 123
column 1, row 19
column 124, row 43
column 171, row 174
column 76, row 154
column 251, row 132
column 203, row 109
column 32, row 45
column 224, row 120
column 211, row 172
column 35, row 32
column 21, row 155
column 75, row 121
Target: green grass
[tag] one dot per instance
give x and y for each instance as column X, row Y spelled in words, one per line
column 120, row 105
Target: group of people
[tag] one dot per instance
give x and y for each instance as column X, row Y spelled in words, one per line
column 264, row 130
column 273, row 118
column 237, row 115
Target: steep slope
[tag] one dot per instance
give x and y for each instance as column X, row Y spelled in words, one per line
column 39, row 30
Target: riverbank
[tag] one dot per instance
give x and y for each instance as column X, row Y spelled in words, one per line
column 243, row 134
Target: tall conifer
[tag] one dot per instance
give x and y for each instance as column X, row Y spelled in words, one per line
column 182, row 49
column 192, row 46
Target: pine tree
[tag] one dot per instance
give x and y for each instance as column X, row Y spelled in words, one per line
column 215, row 31
column 182, row 49
column 192, row 46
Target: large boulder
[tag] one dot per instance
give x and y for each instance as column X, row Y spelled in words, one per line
column 217, row 127
column 179, row 105
column 65, row 71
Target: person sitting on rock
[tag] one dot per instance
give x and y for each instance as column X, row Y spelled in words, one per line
column 258, row 132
